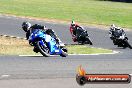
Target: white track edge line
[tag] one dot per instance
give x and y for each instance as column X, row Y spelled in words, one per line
column 114, row 52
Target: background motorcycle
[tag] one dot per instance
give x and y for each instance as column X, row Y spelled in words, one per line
column 121, row 40
column 83, row 37
column 45, row 44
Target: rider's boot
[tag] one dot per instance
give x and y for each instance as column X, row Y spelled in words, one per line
column 35, row 49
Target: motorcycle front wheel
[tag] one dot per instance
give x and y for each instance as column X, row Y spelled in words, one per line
column 44, row 50
column 89, row 41
column 64, row 52
column 127, row 44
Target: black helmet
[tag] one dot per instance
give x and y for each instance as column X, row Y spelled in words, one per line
column 26, row 26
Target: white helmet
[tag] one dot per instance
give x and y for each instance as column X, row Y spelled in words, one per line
column 112, row 26
column 73, row 23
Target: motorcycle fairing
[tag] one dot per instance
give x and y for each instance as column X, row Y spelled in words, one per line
column 53, row 46
column 51, row 42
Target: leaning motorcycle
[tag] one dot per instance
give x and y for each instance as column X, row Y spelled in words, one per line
column 45, row 44
column 83, row 37
column 121, row 40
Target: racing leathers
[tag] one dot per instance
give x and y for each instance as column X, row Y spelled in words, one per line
column 113, row 32
column 43, row 28
column 73, row 30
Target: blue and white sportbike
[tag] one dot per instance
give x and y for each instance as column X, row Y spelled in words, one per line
column 45, row 44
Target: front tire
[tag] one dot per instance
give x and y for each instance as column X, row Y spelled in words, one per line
column 44, row 50
column 64, row 52
column 89, row 41
column 127, row 44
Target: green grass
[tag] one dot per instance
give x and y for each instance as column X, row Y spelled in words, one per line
column 21, row 47
column 83, row 49
column 83, row 11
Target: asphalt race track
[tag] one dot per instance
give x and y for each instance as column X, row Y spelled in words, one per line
column 56, row 72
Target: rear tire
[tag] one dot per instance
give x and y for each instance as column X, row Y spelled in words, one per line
column 43, row 49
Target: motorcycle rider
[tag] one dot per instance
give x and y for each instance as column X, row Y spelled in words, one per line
column 28, row 28
column 114, row 29
column 75, row 30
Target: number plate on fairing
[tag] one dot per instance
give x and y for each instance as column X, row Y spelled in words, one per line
column 56, row 50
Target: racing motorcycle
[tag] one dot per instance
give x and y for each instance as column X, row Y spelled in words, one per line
column 45, row 44
column 119, row 38
column 83, row 37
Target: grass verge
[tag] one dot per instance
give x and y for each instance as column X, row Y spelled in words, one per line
column 83, row 11
column 13, row 46
column 82, row 49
